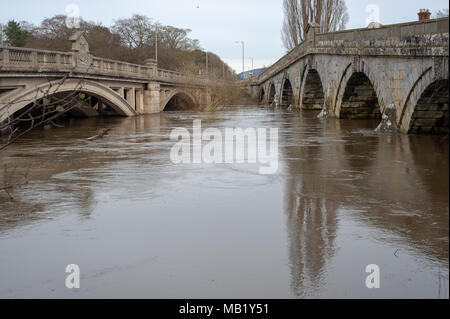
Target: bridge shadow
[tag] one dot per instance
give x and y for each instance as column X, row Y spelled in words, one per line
column 181, row 102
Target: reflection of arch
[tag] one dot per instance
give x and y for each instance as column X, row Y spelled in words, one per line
column 261, row 95
column 358, row 100
column 311, row 95
column 272, row 93
column 287, row 93
column 179, row 101
column 311, row 218
column 25, row 97
column 426, row 90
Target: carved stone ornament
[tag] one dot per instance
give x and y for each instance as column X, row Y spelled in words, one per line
column 80, row 47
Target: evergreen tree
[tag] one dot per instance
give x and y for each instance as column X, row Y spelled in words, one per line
column 16, row 36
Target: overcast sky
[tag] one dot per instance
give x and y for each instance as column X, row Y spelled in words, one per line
column 216, row 23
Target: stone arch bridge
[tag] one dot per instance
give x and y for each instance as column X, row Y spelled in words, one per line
column 27, row 75
column 398, row 73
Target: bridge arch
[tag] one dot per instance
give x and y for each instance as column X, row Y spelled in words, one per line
column 357, row 96
column 179, row 100
column 287, row 93
column 426, row 109
column 312, row 95
column 261, row 95
column 272, row 93
column 22, row 98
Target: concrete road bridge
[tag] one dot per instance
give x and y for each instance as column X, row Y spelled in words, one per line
column 27, row 75
column 397, row 73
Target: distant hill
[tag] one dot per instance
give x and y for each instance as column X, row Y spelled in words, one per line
column 254, row 72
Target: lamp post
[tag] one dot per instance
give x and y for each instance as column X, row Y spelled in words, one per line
column 207, row 67
column 243, row 56
column 156, row 47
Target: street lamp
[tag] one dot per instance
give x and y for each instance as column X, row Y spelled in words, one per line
column 1, row 34
column 207, row 66
column 156, row 46
column 243, row 57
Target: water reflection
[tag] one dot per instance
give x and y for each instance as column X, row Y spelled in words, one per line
column 397, row 184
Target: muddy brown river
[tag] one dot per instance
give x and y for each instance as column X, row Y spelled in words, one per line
column 140, row 226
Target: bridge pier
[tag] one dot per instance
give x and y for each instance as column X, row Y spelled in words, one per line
column 139, row 101
column 151, row 98
column 130, row 97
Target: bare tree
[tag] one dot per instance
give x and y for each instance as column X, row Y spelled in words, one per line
column 441, row 14
column 331, row 15
column 136, row 31
column 10, row 181
column 175, row 38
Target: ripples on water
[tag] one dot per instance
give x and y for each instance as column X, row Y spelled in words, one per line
column 139, row 226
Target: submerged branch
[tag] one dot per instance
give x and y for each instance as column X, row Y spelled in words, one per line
column 9, row 182
column 101, row 133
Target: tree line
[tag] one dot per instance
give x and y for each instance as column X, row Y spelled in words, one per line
column 132, row 39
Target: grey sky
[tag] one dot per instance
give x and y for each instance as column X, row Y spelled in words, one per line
column 216, row 23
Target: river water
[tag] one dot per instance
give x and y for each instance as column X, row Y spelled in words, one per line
column 139, row 226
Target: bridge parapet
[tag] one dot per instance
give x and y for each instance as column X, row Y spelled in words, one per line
column 416, row 33
column 31, row 60
column 169, row 76
column 292, row 56
column 22, row 59
column 14, row 59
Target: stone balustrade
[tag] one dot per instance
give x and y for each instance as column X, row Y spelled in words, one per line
column 32, row 60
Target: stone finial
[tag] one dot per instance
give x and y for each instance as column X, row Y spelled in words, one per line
column 79, row 42
column 311, row 30
column 313, row 25
column 374, row 25
column 80, row 47
column 150, row 62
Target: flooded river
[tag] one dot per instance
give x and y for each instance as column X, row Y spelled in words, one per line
column 140, row 226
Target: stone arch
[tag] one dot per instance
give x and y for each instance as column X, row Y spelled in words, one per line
column 312, row 96
column 368, row 83
column 179, row 100
column 357, row 97
column 271, row 93
column 261, row 95
column 426, row 106
column 23, row 98
column 340, row 91
column 431, row 114
column 287, row 93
